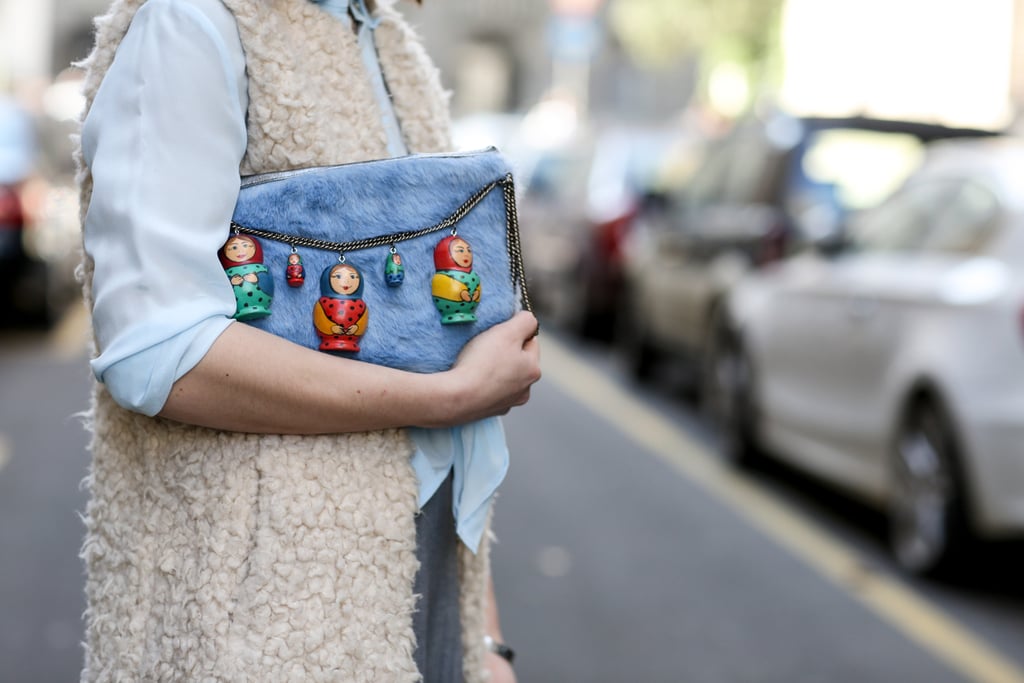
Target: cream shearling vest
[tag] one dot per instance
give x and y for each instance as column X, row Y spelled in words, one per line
column 217, row 556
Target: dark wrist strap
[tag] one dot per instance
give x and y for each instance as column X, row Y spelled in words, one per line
column 500, row 649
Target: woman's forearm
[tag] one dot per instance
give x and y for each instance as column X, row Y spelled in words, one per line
column 252, row 381
column 500, row 669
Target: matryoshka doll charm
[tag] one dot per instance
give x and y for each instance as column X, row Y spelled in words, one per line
column 294, row 274
column 340, row 314
column 242, row 258
column 394, row 271
column 456, row 288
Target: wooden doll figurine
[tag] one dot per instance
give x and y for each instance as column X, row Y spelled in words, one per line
column 242, row 258
column 456, row 288
column 340, row 315
column 394, row 271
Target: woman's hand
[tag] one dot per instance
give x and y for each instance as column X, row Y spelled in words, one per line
column 496, row 369
column 500, row 668
column 501, row 671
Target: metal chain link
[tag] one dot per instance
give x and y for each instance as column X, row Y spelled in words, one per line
column 370, row 242
column 515, row 251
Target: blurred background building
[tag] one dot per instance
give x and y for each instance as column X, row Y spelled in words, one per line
column 537, row 75
column 647, row 59
column 39, row 39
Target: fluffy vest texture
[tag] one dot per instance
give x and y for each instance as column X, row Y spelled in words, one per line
column 216, row 556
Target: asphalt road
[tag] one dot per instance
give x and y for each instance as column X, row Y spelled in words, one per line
column 626, row 552
column 42, row 461
column 671, row 567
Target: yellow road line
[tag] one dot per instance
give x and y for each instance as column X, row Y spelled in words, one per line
column 913, row 616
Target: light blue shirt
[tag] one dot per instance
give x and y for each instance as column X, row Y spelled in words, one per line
column 164, row 140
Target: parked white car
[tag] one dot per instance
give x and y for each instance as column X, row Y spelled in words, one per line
column 893, row 365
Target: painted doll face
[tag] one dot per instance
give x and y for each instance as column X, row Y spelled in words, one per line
column 293, row 259
column 461, row 253
column 344, row 279
column 239, row 249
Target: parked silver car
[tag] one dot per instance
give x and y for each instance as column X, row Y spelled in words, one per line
column 773, row 184
column 893, row 366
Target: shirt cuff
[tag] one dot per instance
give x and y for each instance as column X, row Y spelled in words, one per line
column 142, row 381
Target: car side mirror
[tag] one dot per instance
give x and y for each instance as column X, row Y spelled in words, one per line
column 833, row 244
column 822, row 227
column 656, row 201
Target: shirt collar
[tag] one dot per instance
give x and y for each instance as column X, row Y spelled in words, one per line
column 335, row 7
column 343, row 9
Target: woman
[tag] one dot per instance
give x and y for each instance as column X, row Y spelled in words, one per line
column 258, row 510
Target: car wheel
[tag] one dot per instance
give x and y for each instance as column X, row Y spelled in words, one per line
column 927, row 511
column 634, row 340
column 591, row 324
column 584, row 322
column 30, row 302
column 564, row 302
column 601, row 301
column 727, row 396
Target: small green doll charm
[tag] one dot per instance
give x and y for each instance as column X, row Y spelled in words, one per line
column 456, row 288
column 394, row 271
column 242, row 258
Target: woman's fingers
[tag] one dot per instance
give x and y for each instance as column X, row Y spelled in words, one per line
column 500, row 365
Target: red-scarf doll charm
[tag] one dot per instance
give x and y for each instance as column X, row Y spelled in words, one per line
column 456, row 288
column 294, row 274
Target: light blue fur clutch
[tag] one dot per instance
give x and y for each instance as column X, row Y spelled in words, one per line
column 361, row 215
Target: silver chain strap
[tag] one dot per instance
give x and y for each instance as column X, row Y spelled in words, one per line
column 515, row 251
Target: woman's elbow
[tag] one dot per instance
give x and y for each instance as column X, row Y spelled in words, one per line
column 139, row 394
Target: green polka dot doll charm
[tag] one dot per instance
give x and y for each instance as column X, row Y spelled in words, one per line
column 456, row 288
column 242, row 258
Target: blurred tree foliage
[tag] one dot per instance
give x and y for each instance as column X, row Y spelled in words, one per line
column 660, row 33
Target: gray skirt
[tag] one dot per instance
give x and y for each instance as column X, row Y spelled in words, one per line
column 436, row 622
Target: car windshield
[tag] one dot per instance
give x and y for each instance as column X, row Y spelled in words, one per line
column 840, row 171
column 560, row 173
column 859, row 168
column 629, row 164
column 955, row 215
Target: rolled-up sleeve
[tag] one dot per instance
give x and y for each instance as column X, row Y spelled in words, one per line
column 163, row 141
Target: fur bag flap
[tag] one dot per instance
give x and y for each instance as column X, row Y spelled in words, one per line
column 449, row 219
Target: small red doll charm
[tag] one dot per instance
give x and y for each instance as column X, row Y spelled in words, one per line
column 340, row 315
column 294, row 274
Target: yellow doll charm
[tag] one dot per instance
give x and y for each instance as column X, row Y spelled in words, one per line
column 456, row 288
